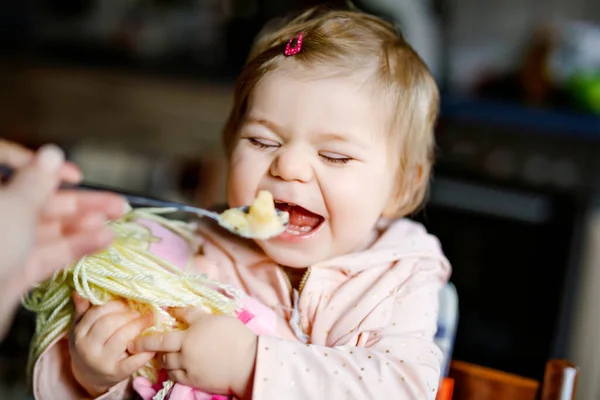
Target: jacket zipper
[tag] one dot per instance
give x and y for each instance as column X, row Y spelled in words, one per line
column 300, row 287
column 302, row 281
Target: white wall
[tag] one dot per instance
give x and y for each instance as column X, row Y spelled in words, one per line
column 584, row 349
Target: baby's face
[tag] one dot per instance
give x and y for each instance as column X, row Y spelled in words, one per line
column 321, row 147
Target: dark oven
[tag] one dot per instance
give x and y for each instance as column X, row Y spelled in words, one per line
column 507, row 203
column 509, row 249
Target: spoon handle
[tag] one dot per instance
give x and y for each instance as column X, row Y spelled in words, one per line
column 141, row 201
column 133, row 199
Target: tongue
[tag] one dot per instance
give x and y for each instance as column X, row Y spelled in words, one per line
column 301, row 217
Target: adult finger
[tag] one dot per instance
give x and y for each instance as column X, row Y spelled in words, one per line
column 133, row 363
column 63, row 251
column 120, row 339
column 49, row 230
column 167, row 342
column 172, row 361
column 92, row 221
column 70, row 173
column 96, row 312
column 18, row 156
column 68, row 203
column 35, row 183
column 14, row 154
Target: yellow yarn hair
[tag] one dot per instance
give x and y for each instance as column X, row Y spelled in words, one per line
column 126, row 270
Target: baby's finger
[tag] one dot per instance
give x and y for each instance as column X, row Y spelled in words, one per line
column 168, row 342
column 188, row 315
column 179, row 376
column 95, row 313
column 105, row 326
column 131, row 364
column 81, row 305
column 172, row 361
column 117, row 343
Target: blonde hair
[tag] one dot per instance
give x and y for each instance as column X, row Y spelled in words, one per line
column 352, row 41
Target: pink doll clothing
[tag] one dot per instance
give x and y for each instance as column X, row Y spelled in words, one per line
column 255, row 315
column 361, row 328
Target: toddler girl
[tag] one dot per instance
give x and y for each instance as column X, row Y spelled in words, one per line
column 334, row 115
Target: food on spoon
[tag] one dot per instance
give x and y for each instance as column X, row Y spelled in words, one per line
column 235, row 219
column 262, row 221
column 263, row 208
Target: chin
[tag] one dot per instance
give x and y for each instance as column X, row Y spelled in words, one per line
column 292, row 258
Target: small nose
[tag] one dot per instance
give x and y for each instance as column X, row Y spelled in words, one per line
column 291, row 165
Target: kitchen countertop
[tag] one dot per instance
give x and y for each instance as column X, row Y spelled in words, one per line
column 152, row 115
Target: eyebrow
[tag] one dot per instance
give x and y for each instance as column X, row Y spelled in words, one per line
column 334, row 137
column 267, row 124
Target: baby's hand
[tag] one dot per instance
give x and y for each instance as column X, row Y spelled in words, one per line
column 215, row 354
column 98, row 344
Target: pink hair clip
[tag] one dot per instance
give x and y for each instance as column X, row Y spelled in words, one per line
column 294, row 46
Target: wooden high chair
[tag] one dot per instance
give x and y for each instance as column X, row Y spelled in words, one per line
column 468, row 381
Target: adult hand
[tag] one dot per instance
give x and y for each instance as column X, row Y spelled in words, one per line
column 43, row 229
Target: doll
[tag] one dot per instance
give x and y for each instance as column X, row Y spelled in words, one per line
column 131, row 271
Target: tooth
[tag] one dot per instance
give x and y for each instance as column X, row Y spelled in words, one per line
column 298, row 230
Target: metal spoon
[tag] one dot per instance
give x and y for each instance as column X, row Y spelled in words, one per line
column 141, row 201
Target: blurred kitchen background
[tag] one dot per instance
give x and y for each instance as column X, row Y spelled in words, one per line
column 137, row 92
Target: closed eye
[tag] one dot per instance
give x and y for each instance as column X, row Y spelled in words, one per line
column 263, row 143
column 336, row 159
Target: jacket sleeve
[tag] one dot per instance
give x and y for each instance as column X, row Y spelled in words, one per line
column 53, row 379
column 399, row 360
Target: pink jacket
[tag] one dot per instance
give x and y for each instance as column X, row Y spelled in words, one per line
column 362, row 328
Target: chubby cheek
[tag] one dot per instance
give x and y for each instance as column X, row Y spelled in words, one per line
column 243, row 178
column 352, row 215
column 352, row 223
column 356, row 204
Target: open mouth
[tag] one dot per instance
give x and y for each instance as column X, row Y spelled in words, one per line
column 303, row 222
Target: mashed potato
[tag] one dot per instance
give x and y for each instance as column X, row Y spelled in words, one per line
column 262, row 220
